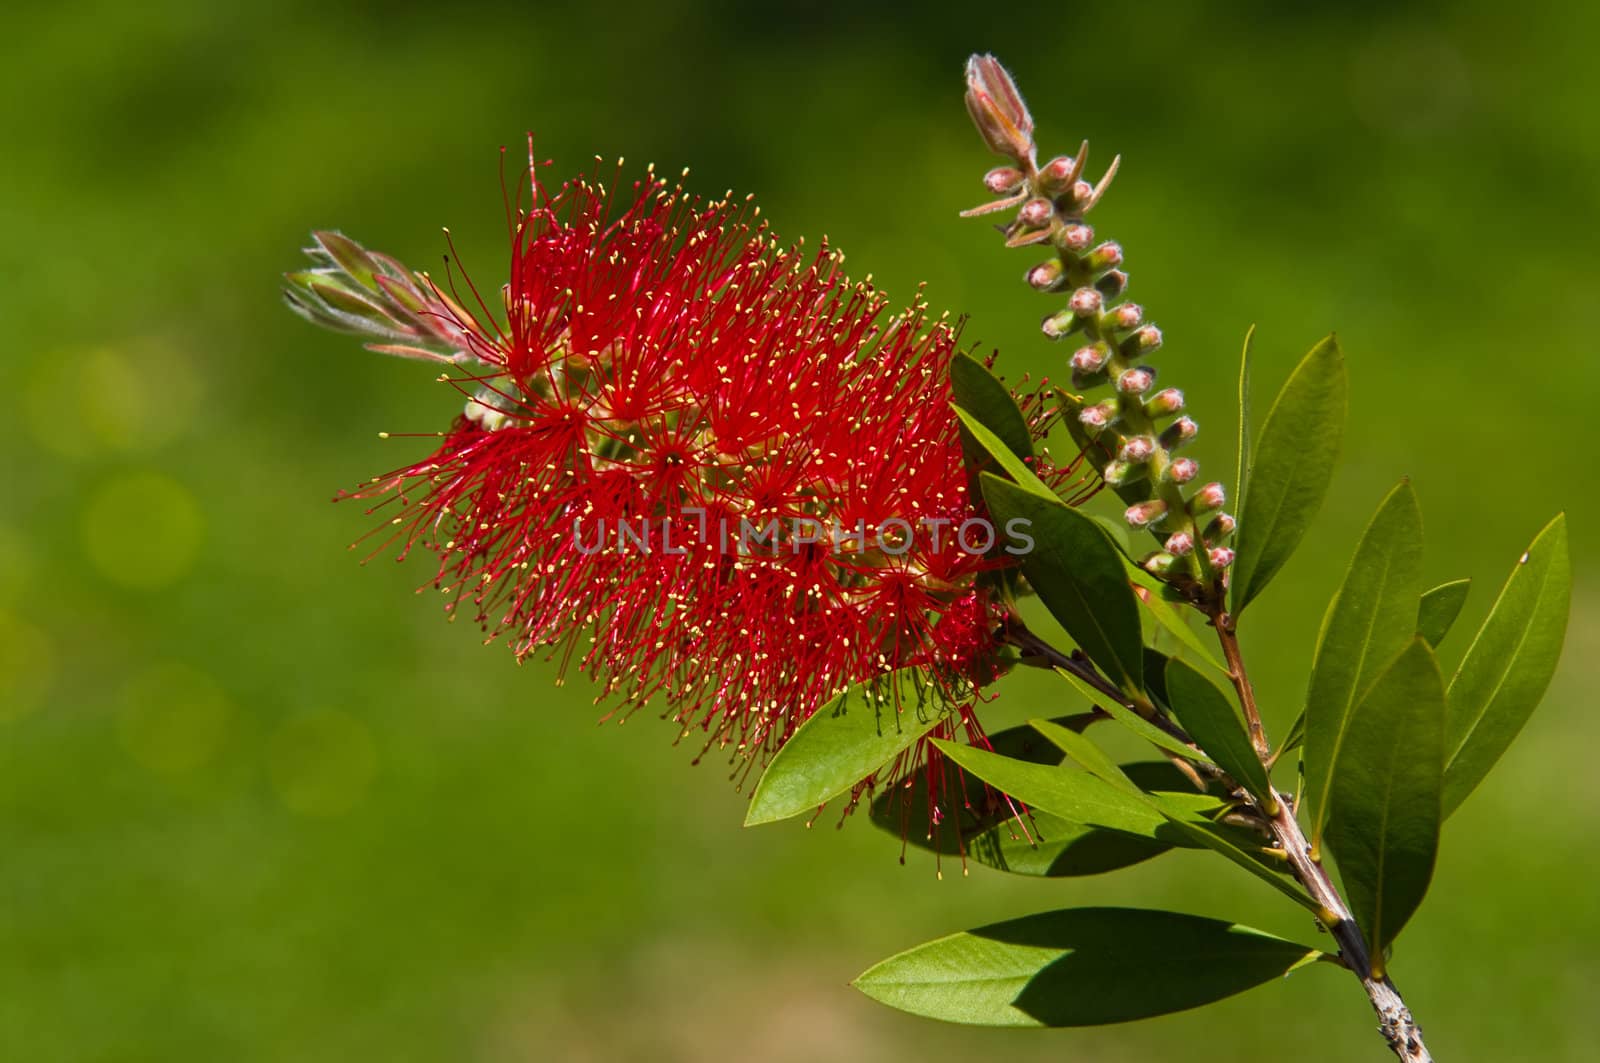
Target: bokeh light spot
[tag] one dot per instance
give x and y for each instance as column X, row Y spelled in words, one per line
column 27, row 662
column 142, row 530
column 134, row 398
column 173, row 718
column 15, row 561
column 322, row 763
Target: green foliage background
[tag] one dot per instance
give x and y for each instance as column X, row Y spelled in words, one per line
column 258, row 803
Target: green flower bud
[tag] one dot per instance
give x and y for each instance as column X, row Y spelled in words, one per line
column 1179, row 432
column 1061, row 323
column 1047, row 276
column 1160, row 564
column 1113, row 284
column 1137, row 449
column 1119, row 473
column 1107, row 256
column 1210, row 497
column 1086, row 302
column 1092, row 358
column 1182, row 470
column 1136, row 381
column 1143, row 514
column 1164, row 403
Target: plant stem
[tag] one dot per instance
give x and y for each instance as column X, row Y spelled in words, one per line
column 1395, row 1022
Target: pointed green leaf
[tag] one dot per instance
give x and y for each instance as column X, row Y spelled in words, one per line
column 1216, row 839
column 1132, row 720
column 1081, row 967
column 1089, row 756
column 1509, row 664
column 1384, row 808
column 1292, row 467
column 977, row 827
column 1371, row 619
column 1242, row 470
column 843, row 742
column 1167, row 615
column 981, row 394
column 1078, row 574
column 1296, row 735
column 1439, row 609
column 1069, row 794
column 1209, row 717
column 993, row 446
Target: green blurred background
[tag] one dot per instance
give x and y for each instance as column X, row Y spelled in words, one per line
column 259, row 803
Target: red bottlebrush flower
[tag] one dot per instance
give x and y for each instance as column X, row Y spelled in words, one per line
column 712, row 470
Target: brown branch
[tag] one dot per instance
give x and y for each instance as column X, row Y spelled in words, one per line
column 1395, row 1022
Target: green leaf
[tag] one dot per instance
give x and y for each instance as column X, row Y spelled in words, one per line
column 1439, row 609
column 982, row 395
column 1242, row 473
column 843, row 742
column 1384, row 808
column 1291, row 470
column 1013, row 466
column 987, row 831
column 1069, row 794
column 1371, row 619
column 1509, row 664
column 1088, row 755
column 1209, row 717
column 1168, row 616
column 1213, row 837
column 1296, row 735
column 1079, row 576
column 1132, row 720
column 1081, row 967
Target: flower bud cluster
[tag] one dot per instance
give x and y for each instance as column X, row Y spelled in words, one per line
column 1136, row 429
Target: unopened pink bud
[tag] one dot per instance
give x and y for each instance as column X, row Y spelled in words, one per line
column 1126, row 316
column 1137, row 449
column 1211, row 496
column 1147, row 339
column 1105, row 256
column 1221, row 557
column 1164, row 403
column 1086, row 302
column 1180, row 544
column 1119, row 472
column 1055, row 175
column 1136, row 381
column 1179, row 432
column 997, row 108
column 1183, row 470
column 1035, row 213
column 1220, row 528
column 1060, row 324
column 1160, row 563
column 1046, row 276
column 1144, row 514
column 1076, row 237
column 1113, row 284
column 1082, row 191
column 1003, row 180
column 1090, row 359
column 1099, row 415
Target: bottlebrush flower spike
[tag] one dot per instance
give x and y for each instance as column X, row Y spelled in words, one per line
column 680, row 450
column 1121, row 435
